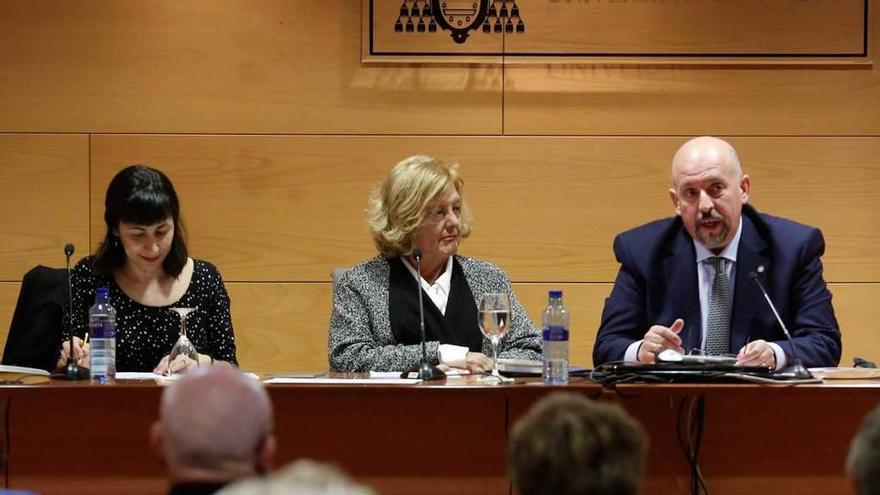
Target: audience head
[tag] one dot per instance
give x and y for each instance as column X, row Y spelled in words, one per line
column 142, row 214
column 215, row 424
column 863, row 461
column 302, row 477
column 709, row 190
column 411, row 201
column 567, row 444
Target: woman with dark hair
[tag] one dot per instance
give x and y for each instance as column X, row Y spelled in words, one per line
column 143, row 261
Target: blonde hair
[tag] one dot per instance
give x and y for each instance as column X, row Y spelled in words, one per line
column 399, row 205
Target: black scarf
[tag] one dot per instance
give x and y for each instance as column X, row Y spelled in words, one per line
column 458, row 326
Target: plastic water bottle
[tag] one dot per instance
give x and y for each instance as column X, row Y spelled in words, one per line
column 102, row 339
column 555, row 340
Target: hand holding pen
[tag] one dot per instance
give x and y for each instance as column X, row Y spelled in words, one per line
column 80, row 351
column 756, row 353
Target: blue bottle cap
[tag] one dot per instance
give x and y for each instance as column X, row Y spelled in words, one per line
column 555, row 294
column 102, row 292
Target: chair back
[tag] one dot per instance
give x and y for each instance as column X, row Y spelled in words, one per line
column 35, row 333
column 336, row 274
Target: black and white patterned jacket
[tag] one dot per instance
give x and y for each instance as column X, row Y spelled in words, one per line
column 360, row 337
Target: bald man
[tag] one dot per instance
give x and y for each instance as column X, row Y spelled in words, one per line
column 215, row 426
column 684, row 281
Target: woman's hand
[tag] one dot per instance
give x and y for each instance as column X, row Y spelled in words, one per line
column 80, row 351
column 477, row 362
column 474, row 362
column 182, row 363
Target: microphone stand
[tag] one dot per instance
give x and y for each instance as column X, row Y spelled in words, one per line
column 72, row 371
column 426, row 370
column 795, row 368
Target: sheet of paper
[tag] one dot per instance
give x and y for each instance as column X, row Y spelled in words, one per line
column 344, row 381
column 295, row 375
column 23, row 370
column 385, row 375
column 133, row 375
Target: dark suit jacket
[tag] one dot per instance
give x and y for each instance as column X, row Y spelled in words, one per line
column 657, row 283
column 35, row 333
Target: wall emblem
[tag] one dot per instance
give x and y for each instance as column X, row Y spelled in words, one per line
column 459, row 17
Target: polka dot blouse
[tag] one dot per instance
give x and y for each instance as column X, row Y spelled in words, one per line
column 145, row 334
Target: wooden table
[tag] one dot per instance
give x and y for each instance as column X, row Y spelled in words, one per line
column 76, row 438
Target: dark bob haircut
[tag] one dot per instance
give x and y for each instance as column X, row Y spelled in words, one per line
column 140, row 195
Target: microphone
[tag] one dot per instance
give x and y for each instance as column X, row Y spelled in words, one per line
column 72, row 371
column 426, row 370
column 795, row 368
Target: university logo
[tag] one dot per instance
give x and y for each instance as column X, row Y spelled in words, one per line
column 459, row 17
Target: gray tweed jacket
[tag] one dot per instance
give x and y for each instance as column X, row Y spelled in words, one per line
column 360, row 327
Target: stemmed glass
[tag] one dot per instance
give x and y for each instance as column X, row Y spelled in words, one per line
column 494, row 318
column 183, row 346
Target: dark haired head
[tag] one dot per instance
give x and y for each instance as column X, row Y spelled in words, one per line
column 140, row 195
column 863, row 460
column 567, row 444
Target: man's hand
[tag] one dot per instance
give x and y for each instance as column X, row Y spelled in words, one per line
column 659, row 337
column 756, row 353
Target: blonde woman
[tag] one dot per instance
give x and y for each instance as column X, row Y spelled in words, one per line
column 375, row 320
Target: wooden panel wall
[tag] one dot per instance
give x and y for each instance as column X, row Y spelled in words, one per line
column 274, row 133
column 222, row 66
column 44, row 190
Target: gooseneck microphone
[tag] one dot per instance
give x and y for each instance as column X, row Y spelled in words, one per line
column 72, row 371
column 426, row 370
column 795, row 367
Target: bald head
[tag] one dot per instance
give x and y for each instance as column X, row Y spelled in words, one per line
column 215, row 420
column 706, row 149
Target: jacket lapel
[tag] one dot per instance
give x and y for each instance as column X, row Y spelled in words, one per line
column 746, row 296
column 682, row 292
column 461, row 323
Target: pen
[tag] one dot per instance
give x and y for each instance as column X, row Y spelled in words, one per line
column 85, row 339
